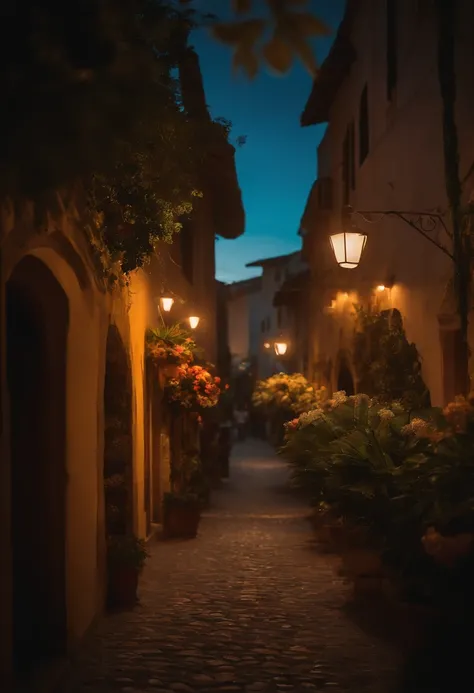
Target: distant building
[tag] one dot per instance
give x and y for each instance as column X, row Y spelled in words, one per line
column 272, row 323
column 242, row 299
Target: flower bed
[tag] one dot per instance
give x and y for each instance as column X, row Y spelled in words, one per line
column 291, row 393
column 405, row 478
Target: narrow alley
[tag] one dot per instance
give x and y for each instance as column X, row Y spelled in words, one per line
column 250, row 605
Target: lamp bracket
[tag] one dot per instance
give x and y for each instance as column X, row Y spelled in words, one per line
column 426, row 224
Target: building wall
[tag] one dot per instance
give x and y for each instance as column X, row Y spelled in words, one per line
column 239, row 308
column 403, row 171
column 62, row 248
column 275, row 323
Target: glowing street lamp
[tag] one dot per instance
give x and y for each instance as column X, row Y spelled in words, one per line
column 281, row 348
column 166, row 303
column 380, row 288
column 193, row 321
column 348, row 245
column 267, row 345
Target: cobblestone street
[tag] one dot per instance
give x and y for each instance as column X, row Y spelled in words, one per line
column 250, row 605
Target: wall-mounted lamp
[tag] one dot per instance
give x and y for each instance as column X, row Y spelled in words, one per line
column 193, row 321
column 281, row 348
column 387, row 285
column 267, row 345
column 166, row 303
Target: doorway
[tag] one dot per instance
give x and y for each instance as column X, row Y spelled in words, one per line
column 37, row 329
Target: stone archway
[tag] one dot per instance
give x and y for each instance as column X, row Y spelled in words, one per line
column 345, row 381
column 118, row 449
column 37, row 331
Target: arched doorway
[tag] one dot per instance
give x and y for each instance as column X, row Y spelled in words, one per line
column 118, row 452
column 37, row 328
column 345, row 381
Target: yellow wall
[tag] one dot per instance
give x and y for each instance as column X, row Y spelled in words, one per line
column 91, row 311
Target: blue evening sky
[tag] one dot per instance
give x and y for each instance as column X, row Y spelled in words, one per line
column 277, row 165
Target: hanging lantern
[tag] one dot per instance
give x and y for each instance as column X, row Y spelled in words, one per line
column 193, row 321
column 348, row 247
column 166, row 303
column 281, row 348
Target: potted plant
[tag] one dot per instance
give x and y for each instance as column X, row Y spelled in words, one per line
column 126, row 556
column 182, row 506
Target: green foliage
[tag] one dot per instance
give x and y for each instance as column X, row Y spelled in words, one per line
column 398, row 475
column 387, row 365
column 127, row 551
column 286, row 393
column 92, row 107
column 187, row 477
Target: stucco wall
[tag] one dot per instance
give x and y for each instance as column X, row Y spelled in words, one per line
column 403, row 171
column 239, row 326
column 92, row 310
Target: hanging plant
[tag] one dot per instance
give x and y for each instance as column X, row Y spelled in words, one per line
column 194, row 388
column 170, row 346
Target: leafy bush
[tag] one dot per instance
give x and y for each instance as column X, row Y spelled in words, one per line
column 126, row 550
column 289, row 393
column 403, row 476
column 388, row 366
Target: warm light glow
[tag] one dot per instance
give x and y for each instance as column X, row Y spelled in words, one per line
column 345, row 296
column 193, row 321
column 281, row 348
column 381, row 287
column 348, row 247
column 266, row 345
column 167, row 304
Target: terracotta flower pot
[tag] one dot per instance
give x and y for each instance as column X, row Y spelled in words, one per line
column 181, row 518
column 122, row 586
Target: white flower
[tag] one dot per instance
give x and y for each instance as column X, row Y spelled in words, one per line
column 309, row 417
column 386, row 414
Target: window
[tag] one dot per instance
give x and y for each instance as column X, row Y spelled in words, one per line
column 391, row 48
column 363, row 126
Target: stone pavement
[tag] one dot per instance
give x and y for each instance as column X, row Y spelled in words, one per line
column 248, row 606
